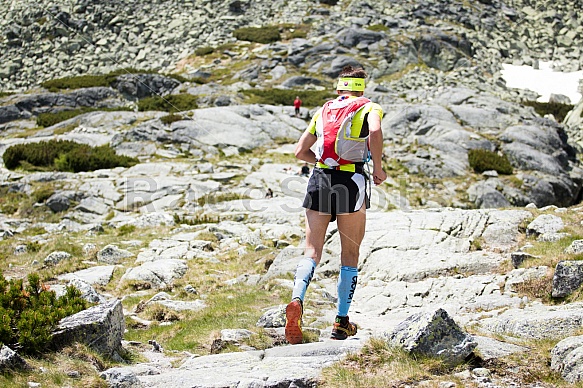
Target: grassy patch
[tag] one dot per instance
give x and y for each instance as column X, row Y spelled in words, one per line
column 380, row 365
column 292, row 31
column 197, row 219
column 227, row 308
column 558, row 110
column 203, row 50
column 539, row 288
column 286, row 97
column 51, row 370
column 530, row 367
column 214, row 198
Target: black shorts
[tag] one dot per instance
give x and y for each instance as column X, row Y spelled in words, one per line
column 336, row 192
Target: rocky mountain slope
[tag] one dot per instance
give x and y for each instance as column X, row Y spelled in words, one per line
column 63, row 38
column 435, row 242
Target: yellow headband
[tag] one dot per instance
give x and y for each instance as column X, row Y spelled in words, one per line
column 352, row 84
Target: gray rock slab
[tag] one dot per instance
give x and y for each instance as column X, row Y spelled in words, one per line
column 157, row 273
column 576, row 247
column 490, row 348
column 537, row 321
column 95, row 275
column 56, row 257
column 286, row 366
column 545, row 223
column 92, row 205
column 111, row 254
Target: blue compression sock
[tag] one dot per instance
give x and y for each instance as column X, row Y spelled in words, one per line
column 346, row 286
column 304, row 273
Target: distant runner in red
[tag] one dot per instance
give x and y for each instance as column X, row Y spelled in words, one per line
column 297, row 105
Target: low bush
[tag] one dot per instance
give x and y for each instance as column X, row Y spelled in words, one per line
column 484, row 160
column 558, row 110
column 43, row 193
column 378, row 28
column 29, row 314
column 88, row 81
column 266, row 34
column 64, row 155
column 169, row 119
column 286, row 96
column 171, row 103
column 204, row 50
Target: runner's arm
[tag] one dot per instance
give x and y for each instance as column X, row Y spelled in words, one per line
column 376, row 147
column 303, row 149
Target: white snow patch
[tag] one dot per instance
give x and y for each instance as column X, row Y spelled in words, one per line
column 543, row 81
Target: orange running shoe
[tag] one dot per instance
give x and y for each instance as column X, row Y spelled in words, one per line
column 343, row 328
column 293, row 322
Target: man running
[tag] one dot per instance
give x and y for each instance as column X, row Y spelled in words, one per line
column 344, row 130
column 297, row 105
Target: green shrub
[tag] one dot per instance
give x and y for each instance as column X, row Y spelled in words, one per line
column 5, row 94
column 266, row 34
column 64, row 155
column 43, row 193
column 28, row 315
column 483, row 160
column 558, row 110
column 171, row 103
column 169, row 119
column 204, row 50
column 88, row 81
column 33, row 246
column 378, row 28
column 126, row 229
column 286, row 96
column 82, row 81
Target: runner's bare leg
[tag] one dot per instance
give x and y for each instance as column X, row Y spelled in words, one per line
column 351, row 227
column 316, row 225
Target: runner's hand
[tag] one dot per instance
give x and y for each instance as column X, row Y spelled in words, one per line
column 378, row 176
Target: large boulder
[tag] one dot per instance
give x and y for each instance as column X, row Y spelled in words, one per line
column 568, row 277
column 100, row 327
column 567, row 358
column 138, row 86
column 433, row 334
column 10, row 360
